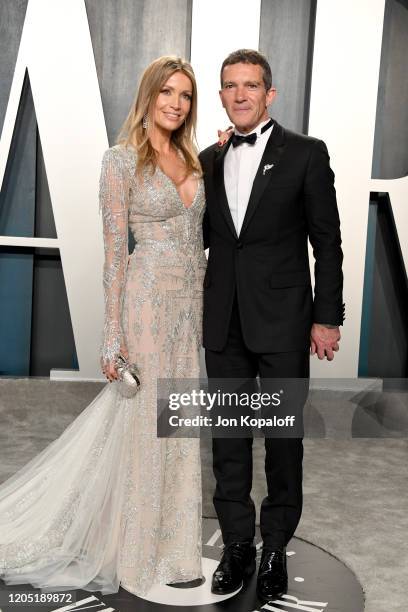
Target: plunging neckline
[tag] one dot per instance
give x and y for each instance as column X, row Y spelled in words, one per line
column 177, row 191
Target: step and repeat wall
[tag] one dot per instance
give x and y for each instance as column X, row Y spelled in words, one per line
column 68, row 74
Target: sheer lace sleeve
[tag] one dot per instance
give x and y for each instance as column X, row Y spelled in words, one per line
column 114, row 204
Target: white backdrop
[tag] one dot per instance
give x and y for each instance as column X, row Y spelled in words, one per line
column 73, row 135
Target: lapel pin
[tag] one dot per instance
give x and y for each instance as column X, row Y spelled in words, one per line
column 266, row 168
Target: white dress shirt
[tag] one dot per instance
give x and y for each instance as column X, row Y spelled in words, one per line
column 240, row 167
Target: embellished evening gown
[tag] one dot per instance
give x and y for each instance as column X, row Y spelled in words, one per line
column 108, row 502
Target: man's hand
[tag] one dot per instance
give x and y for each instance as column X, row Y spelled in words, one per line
column 224, row 135
column 324, row 341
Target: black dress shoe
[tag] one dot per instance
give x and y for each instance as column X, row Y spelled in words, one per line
column 272, row 575
column 238, row 561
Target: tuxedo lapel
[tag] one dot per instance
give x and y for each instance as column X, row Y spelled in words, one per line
column 219, row 186
column 270, row 159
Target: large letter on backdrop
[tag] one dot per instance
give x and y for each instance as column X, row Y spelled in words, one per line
column 56, row 50
column 208, row 49
column 346, row 67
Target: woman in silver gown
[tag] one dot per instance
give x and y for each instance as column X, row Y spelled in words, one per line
column 108, row 503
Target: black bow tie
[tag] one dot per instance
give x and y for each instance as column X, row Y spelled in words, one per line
column 237, row 139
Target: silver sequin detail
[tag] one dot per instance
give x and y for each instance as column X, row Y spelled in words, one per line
column 153, row 305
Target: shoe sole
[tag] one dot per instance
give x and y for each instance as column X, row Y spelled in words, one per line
column 248, row 571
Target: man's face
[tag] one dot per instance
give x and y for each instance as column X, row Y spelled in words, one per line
column 244, row 97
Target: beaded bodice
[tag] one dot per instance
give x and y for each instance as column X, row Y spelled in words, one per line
column 163, row 228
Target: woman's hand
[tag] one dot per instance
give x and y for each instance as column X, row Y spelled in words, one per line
column 109, row 368
column 224, row 136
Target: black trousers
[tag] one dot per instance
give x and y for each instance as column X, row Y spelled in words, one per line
column 232, row 457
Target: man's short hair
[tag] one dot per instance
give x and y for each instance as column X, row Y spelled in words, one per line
column 249, row 56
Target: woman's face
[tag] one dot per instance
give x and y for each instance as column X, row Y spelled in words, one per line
column 173, row 103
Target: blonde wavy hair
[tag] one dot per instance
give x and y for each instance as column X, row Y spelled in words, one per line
column 183, row 139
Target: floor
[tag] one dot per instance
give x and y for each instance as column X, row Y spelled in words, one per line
column 355, row 472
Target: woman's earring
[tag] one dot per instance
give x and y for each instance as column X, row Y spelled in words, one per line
column 145, row 122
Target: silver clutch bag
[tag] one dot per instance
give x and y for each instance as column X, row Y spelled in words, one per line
column 128, row 377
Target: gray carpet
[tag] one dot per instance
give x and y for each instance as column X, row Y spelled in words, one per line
column 355, row 490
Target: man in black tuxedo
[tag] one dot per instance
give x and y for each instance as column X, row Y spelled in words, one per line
column 268, row 191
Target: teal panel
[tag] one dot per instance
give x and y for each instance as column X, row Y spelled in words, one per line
column 16, row 278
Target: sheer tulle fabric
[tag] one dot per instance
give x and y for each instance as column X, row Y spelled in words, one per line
column 60, row 515
column 109, row 503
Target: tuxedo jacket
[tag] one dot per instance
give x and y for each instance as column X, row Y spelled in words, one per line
column 293, row 200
